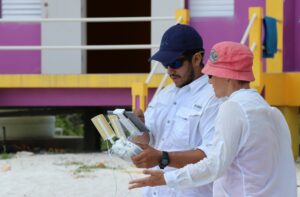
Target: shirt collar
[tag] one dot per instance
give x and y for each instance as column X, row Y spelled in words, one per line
column 241, row 91
column 197, row 84
column 194, row 86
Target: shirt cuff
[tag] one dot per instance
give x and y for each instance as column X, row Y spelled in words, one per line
column 170, row 178
column 203, row 148
column 151, row 139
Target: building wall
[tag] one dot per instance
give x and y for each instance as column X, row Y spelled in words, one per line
column 20, row 62
column 212, row 29
column 65, row 97
column 289, row 36
column 296, row 42
column 216, row 29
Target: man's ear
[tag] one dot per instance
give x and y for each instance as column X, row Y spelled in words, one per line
column 197, row 58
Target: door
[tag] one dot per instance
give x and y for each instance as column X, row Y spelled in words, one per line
column 63, row 33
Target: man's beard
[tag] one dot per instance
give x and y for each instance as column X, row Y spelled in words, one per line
column 190, row 78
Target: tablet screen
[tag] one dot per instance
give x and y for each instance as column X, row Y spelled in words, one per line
column 136, row 121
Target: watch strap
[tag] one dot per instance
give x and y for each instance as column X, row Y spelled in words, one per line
column 164, row 160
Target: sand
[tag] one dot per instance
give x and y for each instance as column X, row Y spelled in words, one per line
column 51, row 175
column 69, row 175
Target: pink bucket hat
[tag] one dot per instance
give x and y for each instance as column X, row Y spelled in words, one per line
column 230, row 60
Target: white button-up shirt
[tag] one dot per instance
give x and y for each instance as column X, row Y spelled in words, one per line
column 182, row 119
column 250, row 154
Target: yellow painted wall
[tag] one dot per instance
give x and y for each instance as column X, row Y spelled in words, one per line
column 77, row 81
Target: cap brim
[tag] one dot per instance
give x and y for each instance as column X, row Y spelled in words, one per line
column 166, row 57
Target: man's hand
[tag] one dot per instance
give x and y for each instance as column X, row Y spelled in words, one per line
column 156, row 178
column 140, row 114
column 150, row 157
column 141, row 139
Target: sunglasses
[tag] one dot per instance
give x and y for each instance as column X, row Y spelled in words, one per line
column 177, row 63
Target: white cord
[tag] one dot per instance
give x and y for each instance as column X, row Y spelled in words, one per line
column 115, row 178
column 114, row 175
column 128, row 192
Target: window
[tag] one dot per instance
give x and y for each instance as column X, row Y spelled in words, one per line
column 21, row 9
column 211, row 8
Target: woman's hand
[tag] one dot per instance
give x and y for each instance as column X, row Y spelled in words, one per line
column 156, row 178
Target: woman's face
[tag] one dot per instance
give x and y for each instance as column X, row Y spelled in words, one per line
column 220, row 86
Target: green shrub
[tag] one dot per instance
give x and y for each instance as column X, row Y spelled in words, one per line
column 4, row 156
column 71, row 124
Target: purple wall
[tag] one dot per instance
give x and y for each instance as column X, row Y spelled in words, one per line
column 32, row 97
column 65, row 97
column 216, row 29
column 296, row 41
column 212, row 29
column 20, row 62
column 289, row 36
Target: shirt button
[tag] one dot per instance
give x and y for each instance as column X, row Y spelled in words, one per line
column 154, row 193
column 168, row 121
column 174, row 103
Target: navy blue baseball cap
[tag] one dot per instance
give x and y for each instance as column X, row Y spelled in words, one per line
column 175, row 41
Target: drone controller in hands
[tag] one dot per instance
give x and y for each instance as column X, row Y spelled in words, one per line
column 125, row 149
column 113, row 131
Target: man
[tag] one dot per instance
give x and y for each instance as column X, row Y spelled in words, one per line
column 251, row 152
column 181, row 117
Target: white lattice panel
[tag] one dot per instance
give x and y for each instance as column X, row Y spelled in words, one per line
column 211, row 8
column 21, row 9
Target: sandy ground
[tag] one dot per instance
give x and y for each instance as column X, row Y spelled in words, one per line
column 57, row 175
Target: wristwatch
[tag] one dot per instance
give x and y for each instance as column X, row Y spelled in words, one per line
column 164, row 160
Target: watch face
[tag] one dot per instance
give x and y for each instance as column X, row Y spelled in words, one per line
column 165, row 161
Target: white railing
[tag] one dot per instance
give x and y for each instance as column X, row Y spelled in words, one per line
column 152, row 71
column 86, row 47
column 253, row 46
column 246, row 34
column 155, row 66
column 83, row 47
column 94, row 20
column 162, row 83
column 95, row 47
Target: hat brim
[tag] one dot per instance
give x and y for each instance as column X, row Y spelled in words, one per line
column 166, row 57
column 209, row 69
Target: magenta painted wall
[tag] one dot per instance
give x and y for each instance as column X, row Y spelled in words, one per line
column 65, row 97
column 289, row 36
column 216, row 29
column 212, row 29
column 20, row 62
column 296, row 42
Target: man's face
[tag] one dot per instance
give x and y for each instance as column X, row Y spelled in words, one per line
column 183, row 75
column 220, row 86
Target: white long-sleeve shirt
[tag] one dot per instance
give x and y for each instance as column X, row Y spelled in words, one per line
column 182, row 119
column 250, row 154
